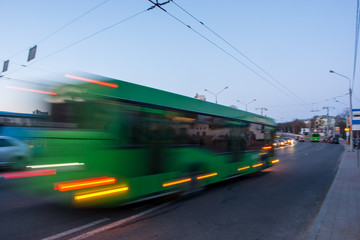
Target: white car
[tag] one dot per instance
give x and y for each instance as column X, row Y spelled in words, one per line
column 14, row 153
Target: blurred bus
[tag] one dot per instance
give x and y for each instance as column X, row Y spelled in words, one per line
column 315, row 137
column 115, row 142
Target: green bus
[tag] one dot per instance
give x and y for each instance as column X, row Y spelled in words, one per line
column 315, row 137
column 114, row 142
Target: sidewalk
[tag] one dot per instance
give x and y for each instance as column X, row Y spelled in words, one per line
column 339, row 216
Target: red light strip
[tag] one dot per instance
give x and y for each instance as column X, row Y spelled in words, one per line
column 83, row 183
column 92, row 81
column 32, row 90
column 29, row 173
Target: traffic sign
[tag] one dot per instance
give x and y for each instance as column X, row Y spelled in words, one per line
column 356, row 120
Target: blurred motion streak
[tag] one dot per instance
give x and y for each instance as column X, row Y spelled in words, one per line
column 55, row 165
column 267, row 148
column 101, row 193
column 32, row 90
column 176, row 182
column 92, row 81
column 257, row 165
column 276, row 161
column 34, row 173
column 84, row 183
column 243, row 168
column 206, row 176
column 103, row 131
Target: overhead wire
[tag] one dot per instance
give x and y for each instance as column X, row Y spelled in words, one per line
column 229, row 54
column 92, row 35
column 83, row 39
column 238, row 51
column 62, row 27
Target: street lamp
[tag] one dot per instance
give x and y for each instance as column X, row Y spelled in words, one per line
column 327, row 120
column 351, row 114
column 247, row 103
column 216, row 94
column 261, row 109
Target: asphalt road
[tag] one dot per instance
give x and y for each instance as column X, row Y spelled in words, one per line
column 278, row 203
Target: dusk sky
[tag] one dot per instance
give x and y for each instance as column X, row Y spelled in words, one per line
column 296, row 42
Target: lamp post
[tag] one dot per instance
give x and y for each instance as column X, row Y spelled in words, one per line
column 327, row 120
column 247, row 103
column 261, row 109
column 347, row 116
column 351, row 114
column 216, row 94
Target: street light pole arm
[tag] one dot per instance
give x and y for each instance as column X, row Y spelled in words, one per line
column 351, row 114
column 331, row 71
column 222, row 90
column 209, row 92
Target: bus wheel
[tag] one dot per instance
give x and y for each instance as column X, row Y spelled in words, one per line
column 194, row 186
column 20, row 163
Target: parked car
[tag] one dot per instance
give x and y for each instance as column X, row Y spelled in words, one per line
column 356, row 143
column 14, row 153
column 334, row 140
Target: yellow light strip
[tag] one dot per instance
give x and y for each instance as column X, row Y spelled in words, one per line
column 176, row 182
column 276, row 161
column 257, row 165
column 55, row 165
column 206, row 176
column 101, row 193
column 243, row 168
column 262, row 153
column 267, row 148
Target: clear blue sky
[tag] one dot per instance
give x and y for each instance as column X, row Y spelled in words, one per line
column 296, row 41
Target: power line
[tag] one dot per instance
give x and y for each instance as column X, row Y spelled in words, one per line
column 238, row 51
column 92, row 35
column 83, row 39
column 229, row 54
column 64, row 26
column 25, row 81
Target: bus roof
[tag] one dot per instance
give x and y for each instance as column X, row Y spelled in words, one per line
column 141, row 94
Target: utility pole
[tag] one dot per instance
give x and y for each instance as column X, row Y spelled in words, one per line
column 216, row 94
column 246, row 104
column 261, row 109
column 351, row 113
column 327, row 121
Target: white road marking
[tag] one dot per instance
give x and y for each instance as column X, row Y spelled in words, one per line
column 119, row 223
column 76, row 229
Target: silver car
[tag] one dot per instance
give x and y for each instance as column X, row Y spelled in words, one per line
column 14, row 153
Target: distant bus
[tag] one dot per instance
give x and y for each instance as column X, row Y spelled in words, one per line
column 24, row 127
column 315, row 137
